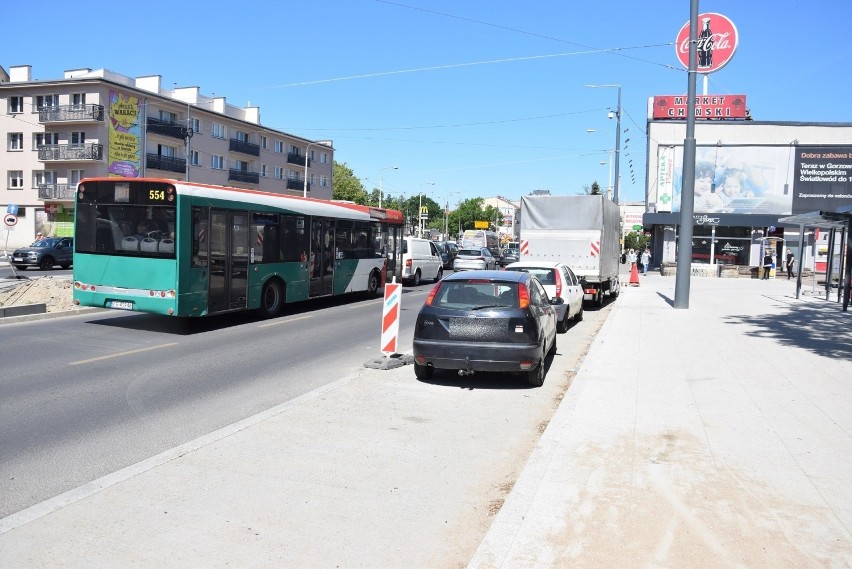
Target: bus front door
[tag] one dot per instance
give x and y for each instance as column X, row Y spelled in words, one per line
column 322, row 257
column 229, row 250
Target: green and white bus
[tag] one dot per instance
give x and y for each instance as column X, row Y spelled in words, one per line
column 184, row 249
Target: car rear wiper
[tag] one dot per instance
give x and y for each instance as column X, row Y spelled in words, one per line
column 488, row 306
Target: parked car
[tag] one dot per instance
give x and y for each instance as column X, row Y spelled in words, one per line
column 495, row 321
column 420, row 260
column 475, row 259
column 448, row 251
column 45, row 254
column 558, row 280
column 511, row 254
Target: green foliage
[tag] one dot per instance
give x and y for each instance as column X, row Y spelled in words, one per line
column 345, row 186
column 635, row 241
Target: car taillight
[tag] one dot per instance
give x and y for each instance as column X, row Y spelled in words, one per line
column 558, row 280
column 523, row 296
column 432, row 294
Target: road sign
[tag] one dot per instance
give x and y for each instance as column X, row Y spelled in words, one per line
column 12, row 208
column 10, row 219
column 480, row 225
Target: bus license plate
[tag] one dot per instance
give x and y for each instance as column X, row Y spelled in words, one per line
column 121, row 304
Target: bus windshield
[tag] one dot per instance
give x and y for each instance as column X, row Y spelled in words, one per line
column 116, row 222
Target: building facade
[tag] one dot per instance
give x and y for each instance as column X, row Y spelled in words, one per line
column 748, row 175
column 93, row 123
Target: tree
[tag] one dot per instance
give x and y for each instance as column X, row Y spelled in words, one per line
column 595, row 190
column 346, row 186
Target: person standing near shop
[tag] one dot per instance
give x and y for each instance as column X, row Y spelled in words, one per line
column 767, row 264
column 645, row 259
column 788, row 264
column 631, row 258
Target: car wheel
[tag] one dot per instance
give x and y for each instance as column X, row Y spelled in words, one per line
column 65, row 265
column 562, row 325
column 21, row 267
column 373, row 283
column 272, row 299
column 599, row 298
column 46, row 263
column 579, row 316
column 423, row 372
column 535, row 376
column 440, row 275
column 415, row 280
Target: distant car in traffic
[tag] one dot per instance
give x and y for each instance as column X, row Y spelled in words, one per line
column 448, row 251
column 496, row 321
column 560, row 281
column 511, row 253
column 475, row 259
column 45, row 254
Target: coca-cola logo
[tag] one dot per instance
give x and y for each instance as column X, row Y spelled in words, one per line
column 716, row 41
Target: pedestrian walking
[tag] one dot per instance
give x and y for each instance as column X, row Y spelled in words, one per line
column 767, row 264
column 788, row 264
column 645, row 260
column 631, row 258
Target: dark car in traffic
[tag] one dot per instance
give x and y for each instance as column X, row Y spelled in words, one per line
column 448, row 251
column 45, row 254
column 486, row 321
column 511, row 253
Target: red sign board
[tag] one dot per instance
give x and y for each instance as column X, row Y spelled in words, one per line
column 716, row 38
column 706, row 106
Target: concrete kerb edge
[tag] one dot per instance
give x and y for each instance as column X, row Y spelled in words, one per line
column 49, row 315
column 501, row 536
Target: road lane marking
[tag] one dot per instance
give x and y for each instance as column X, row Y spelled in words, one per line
column 120, row 354
column 286, row 321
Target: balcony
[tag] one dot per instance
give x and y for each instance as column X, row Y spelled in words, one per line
column 245, row 147
column 71, row 113
column 238, row 175
column 69, row 152
column 56, row 191
column 168, row 163
column 293, row 158
column 166, row 128
column 293, row 184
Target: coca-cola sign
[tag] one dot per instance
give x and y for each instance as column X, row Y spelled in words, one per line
column 716, row 41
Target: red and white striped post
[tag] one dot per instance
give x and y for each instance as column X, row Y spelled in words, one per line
column 390, row 317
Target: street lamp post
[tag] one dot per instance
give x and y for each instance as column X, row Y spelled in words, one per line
column 617, row 137
column 420, row 210
column 380, row 181
column 307, row 161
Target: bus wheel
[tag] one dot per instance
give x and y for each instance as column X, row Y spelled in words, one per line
column 373, row 283
column 272, row 298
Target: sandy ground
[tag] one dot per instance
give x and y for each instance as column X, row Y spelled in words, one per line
column 53, row 292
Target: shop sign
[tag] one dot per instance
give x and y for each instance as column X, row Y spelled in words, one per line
column 716, row 38
column 706, row 107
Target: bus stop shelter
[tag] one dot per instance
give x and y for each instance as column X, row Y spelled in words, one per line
column 839, row 225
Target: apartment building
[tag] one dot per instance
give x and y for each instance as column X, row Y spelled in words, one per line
column 99, row 123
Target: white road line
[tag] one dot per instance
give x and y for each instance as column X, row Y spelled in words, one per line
column 120, row 354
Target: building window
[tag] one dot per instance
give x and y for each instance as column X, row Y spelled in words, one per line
column 78, row 100
column 44, row 178
column 78, row 138
column 44, row 138
column 16, row 179
column 323, row 157
column 242, row 136
column 295, row 149
column 218, row 130
column 193, row 158
column 279, row 173
column 263, row 170
column 167, row 151
column 74, row 176
column 196, row 126
column 279, row 147
column 292, row 175
column 46, row 101
column 263, row 142
column 217, row 162
column 16, row 105
column 166, row 116
column 16, row 141
column 324, row 181
column 241, row 165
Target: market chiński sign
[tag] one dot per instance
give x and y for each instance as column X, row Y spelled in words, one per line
column 716, row 38
column 706, row 106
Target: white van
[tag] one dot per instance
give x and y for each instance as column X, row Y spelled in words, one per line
column 420, row 260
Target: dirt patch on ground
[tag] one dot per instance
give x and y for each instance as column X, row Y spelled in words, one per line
column 55, row 293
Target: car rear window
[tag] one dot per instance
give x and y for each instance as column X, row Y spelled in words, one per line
column 545, row 276
column 470, row 252
column 468, row 294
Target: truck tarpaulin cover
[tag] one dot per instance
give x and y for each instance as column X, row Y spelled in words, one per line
column 566, row 212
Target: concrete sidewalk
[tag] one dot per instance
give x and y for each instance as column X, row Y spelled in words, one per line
column 713, row 436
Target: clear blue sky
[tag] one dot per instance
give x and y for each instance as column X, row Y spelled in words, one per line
column 482, row 97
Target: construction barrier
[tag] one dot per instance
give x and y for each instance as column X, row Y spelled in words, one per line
column 390, row 317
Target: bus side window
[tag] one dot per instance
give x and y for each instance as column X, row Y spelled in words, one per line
column 199, row 237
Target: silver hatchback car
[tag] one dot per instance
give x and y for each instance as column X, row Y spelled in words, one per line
column 475, row 260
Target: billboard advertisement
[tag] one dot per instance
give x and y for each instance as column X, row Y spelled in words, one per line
column 706, row 107
column 125, row 135
column 753, row 179
column 716, row 42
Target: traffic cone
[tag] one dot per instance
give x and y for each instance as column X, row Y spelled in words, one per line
column 634, row 276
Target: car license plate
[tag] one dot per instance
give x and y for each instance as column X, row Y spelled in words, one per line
column 121, row 304
column 17, row 259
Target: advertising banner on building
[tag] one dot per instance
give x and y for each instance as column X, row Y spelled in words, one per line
column 716, row 42
column 125, row 135
column 823, row 178
column 665, row 179
column 706, row 106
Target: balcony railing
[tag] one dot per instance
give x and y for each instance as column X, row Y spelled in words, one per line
column 166, row 128
column 293, row 184
column 293, row 158
column 71, row 113
column 69, row 152
column 56, row 191
column 168, row 163
column 245, row 147
column 243, row 176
